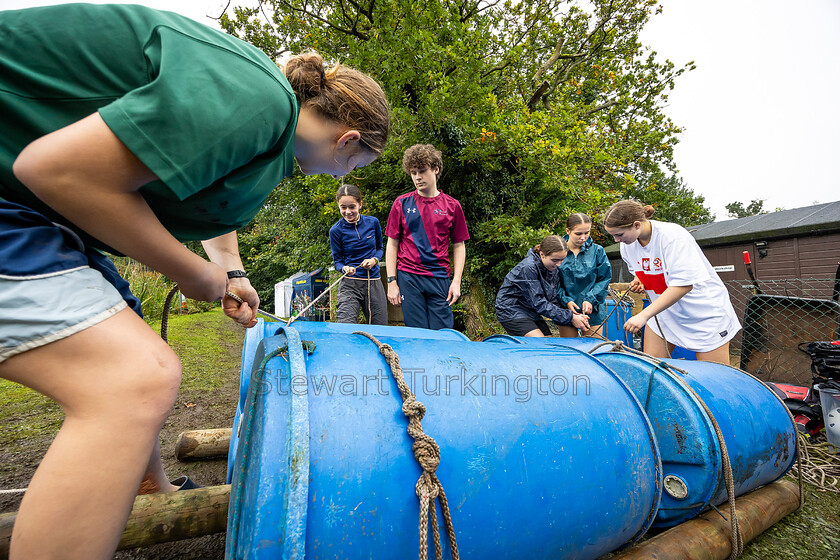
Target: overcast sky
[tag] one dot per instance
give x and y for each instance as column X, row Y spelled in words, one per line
column 760, row 112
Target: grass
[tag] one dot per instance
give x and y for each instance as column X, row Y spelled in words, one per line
column 812, row 533
column 26, row 415
column 199, row 340
column 147, row 285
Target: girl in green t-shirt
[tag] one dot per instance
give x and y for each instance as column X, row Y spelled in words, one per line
column 133, row 130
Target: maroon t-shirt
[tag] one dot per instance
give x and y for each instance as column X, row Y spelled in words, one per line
column 424, row 228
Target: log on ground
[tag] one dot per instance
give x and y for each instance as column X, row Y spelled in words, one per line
column 707, row 537
column 159, row 518
column 203, row 444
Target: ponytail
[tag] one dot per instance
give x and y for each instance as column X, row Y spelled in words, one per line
column 343, row 95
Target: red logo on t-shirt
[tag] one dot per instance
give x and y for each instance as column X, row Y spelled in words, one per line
column 653, row 282
column 657, row 263
column 646, row 263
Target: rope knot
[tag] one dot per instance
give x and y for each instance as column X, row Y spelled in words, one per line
column 427, row 453
column 412, row 408
column 426, row 488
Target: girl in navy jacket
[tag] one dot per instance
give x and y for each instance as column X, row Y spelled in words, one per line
column 356, row 243
column 529, row 293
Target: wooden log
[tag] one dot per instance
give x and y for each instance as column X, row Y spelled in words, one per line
column 202, row 444
column 7, row 523
column 159, row 518
column 708, row 537
column 172, row 516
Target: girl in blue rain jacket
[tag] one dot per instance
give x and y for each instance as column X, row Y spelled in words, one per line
column 585, row 275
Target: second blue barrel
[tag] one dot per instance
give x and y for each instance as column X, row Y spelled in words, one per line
column 757, row 431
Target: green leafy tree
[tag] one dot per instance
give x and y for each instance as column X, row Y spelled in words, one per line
column 540, row 109
column 754, row 208
column 673, row 200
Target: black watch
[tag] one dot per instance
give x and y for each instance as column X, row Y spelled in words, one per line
column 390, row 279
column 237, row 274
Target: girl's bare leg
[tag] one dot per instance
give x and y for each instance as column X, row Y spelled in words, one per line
column 567, row 332
column 116, row 382
column 655, row 345
column 719, row 355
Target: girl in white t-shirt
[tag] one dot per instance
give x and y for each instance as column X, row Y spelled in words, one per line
column 689, row 306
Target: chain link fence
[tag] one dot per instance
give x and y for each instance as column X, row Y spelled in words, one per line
column 777, row 316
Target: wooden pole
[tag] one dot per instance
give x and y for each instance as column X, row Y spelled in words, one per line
column 159, row 518
column 7, row 522
column 708, row 537
column 202, row 444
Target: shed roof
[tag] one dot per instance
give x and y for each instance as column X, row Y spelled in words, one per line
column 819, row 219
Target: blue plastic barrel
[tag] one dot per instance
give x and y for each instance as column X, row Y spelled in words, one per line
column 757, row 431
column 545, row 453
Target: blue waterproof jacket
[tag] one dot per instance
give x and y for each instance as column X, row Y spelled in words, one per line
column 530, row 292
column 586, row 277
column 353, row 243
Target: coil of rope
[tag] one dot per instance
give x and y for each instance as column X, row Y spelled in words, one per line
column 819, row 466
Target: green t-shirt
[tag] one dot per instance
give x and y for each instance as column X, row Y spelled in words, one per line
column 212, row 116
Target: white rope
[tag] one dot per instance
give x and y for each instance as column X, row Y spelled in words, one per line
column 14, row 491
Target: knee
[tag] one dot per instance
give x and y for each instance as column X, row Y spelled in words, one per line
column 150, row 389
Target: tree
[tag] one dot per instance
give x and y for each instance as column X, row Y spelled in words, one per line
column 754, row 208
column 673, row 200
column 541, row 109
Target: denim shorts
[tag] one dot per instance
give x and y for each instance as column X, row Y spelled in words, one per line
column 51, row 285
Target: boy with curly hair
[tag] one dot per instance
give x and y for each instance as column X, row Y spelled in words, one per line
column 420, row 227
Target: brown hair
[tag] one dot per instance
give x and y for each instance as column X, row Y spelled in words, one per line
column 576, row 219
column 343, row 95
column 420, row 156
column 551, row 244
column 349, row 190
column 624, row 213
